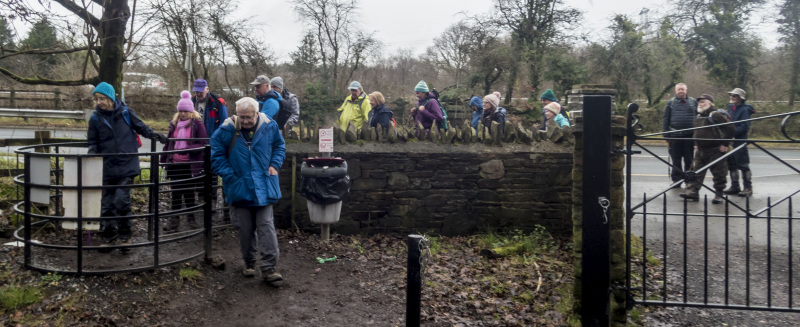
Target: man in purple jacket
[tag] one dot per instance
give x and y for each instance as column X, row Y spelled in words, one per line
column 427, row 112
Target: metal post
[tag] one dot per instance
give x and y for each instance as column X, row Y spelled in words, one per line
column 27, row 212
column 294, row 189
column 325, row 232
column 153, row 200
column 79, row 191
column 154, row 176
column 595, row 285
column 207, row 198
column 413, row 281
column 12, row 103
column 57, row 96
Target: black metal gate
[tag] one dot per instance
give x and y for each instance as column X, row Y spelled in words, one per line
column 740, row 254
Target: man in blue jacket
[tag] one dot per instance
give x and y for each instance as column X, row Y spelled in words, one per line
column 247, row 151
column 740, row 160
column 269, row 101
column 112, row 131
column 211, row 107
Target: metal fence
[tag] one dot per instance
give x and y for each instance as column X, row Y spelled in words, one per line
column 738, row 255
column 64, row 199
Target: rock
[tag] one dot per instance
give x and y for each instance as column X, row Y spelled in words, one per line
column 523, row 134
column 492, row 169
column 351, row 135
column 216, row 262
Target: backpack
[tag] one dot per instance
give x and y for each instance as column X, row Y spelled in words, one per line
column 443, row 124
column 126, row 116
column 284, row 112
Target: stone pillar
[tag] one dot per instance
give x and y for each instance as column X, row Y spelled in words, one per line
column 617, row 196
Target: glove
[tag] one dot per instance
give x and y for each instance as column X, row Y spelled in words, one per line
column 92, row 151
column 161, row 138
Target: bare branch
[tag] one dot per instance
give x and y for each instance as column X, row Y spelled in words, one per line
column 39, row 51
column 80, row 12
column 44, row 81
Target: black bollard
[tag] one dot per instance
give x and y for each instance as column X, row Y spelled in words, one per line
column 414, row 281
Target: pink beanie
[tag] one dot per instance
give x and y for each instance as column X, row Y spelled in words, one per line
column 185, row 103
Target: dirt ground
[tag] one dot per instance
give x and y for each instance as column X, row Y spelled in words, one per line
column 364, row 286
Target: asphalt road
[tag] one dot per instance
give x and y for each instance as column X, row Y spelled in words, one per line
column 749, row 260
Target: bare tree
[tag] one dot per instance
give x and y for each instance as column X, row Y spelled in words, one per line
column 534, row 25
column 451, row 51
column 790, row 37
column 341, row 44
column 104, row 46
column 202, row 27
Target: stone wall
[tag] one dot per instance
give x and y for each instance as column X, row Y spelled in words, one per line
column 442, row 189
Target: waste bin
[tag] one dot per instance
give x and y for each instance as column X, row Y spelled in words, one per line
column 324, row 183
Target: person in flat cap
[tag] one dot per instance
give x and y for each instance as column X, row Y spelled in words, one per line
column 710, row 147
column 269, row 101
column 208, row 105
column 289, row 112
column 355, row 107
column 739, row 161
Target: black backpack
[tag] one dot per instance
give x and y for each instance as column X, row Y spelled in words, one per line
column 284, row 111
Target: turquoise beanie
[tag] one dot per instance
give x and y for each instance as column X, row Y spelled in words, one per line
column 421, row 87
column 105, row 89
column 549, row 95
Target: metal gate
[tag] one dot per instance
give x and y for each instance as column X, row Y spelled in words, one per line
column 740, row 254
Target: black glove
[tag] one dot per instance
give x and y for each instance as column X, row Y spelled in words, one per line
column 161, row 138
column 91, row 151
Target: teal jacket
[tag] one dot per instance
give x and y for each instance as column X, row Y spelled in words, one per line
column 245, row 168
column 561, row 121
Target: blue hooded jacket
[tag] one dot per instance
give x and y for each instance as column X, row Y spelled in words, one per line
column 245, row 169
column 269, row 103
column 742, row 112
column 476, row 115
column 216, row 112
column 109, row 132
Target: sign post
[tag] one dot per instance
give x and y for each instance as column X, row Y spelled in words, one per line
column 326, row 142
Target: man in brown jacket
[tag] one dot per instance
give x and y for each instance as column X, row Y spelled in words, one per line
column 710, row 147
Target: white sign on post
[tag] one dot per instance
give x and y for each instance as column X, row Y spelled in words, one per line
column 326, row 140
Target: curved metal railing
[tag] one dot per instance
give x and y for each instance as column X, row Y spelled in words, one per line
column 52, row 248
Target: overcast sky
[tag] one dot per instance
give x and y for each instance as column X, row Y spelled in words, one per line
column 415, row 23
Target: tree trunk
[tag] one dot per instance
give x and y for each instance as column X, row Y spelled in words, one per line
column 112, row 35
column 794, row 88
column 512, row 83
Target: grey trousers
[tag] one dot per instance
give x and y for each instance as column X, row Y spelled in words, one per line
column 257, row 234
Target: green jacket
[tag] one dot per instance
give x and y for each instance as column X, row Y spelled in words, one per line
column 357, row 112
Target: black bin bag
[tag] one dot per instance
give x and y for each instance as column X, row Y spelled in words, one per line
column 324, row 180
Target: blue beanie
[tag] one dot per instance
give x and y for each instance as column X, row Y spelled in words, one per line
column 476, row 101
column 105, row 89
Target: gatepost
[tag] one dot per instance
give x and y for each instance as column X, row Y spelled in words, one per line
column 598, row 229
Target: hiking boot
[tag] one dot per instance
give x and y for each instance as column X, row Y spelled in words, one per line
column 270, row 275
column 249, row 272
column 691, row 195
column 717, row 199
column 105, row 247
column 125, row 241
column 748, row 191
column 734, row 189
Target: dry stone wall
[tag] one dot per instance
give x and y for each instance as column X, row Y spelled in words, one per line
column 442, row 189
